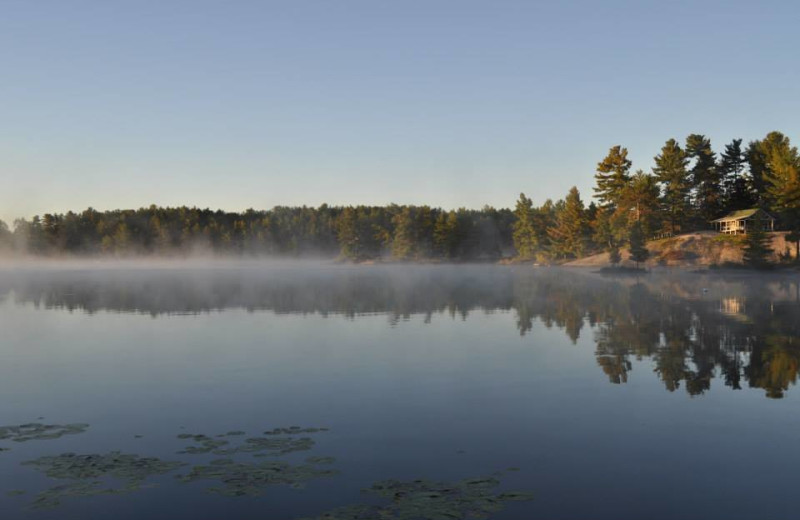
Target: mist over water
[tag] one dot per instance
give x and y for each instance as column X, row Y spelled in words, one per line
column 550, row 393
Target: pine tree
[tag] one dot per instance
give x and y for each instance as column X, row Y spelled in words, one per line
column 670, row 171
column 782, row 178
column 735, row 184
column 570, row 232
column 757, row 249
column 612, row 176
column 705, row 177
column 782, row 182
column 524, row 234
column 446, row 234
column 403, row 240
column 614, row 256
column 638, row 252
column 641, row 198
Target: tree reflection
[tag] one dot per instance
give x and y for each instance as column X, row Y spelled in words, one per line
column 690, row 328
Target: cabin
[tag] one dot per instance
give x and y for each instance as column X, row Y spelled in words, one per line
column 738, row 222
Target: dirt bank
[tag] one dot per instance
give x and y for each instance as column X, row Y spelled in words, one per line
column 693, row 249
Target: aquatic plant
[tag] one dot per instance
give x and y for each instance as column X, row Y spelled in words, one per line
column 267, row 446
column 85, row 470
column 39, row 432
column 251, row 479
column 205, row 444
column 294, row 430
column 473, row 498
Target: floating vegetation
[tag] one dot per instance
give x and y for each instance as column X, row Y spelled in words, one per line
column 320, row 460
column 132, row 470
column 251, row 479
column 294, row 430
column 15, row 493
column 52, row 497
column 205, row 444
column 39, row 431
column 268, row 446
column 427, row 500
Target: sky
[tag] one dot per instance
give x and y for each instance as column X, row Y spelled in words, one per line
column 222, row 104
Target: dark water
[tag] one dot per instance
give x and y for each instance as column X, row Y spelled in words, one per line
column 667, row 397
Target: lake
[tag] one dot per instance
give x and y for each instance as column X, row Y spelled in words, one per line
column 289, row 391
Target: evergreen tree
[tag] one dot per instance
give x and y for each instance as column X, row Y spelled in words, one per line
column 403, row 239
column 757, row 248
column 349, row 235
column 614, row 257
column 612, row 176
column 446, row 234
column 731, row 168
column 670, row 171
column 782, row 177
column 570, row 231
column 638, row 252
column 641, row 198
column 524, row 235
column 6, row 238
column 705, row 177
column 759, row 155
column 782, row 184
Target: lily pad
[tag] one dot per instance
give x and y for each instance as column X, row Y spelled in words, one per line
column 294, row 430
column 86, row 470
column 279, row 441
column 430, row 500
column 39, row 431
column 252, row 479
column 205, row 444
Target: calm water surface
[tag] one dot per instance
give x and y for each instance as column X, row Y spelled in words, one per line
column 666, row 397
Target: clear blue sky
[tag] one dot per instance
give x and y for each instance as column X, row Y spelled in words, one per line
column 451, row 103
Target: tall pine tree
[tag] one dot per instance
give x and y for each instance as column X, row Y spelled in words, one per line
column 638, row 251
column 735, row 183
column 670, row 171
column 705, row 177
column 613, row 175
column 570, row 232
column 524, row 234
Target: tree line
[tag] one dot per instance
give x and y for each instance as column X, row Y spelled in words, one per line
column 358, row 233
column 688, row 185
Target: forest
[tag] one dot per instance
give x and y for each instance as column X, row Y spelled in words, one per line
column 688, row 185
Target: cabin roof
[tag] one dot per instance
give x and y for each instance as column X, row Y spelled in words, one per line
column 743, row 214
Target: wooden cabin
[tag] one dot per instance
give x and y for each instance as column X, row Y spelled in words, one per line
column 738, row 222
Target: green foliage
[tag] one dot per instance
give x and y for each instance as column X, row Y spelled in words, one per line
column 706, row 178
column 760, row 155
column 525, row 238
column 638, row 252
column 570, row 232
column 670, row 171
column 641, row 200
column 735, row 184
column 6, row 238
column 782, row 177
column 757, row 246
column 612, row 176
column 614, row 256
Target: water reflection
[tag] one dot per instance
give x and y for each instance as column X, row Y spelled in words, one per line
column 691, row 327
